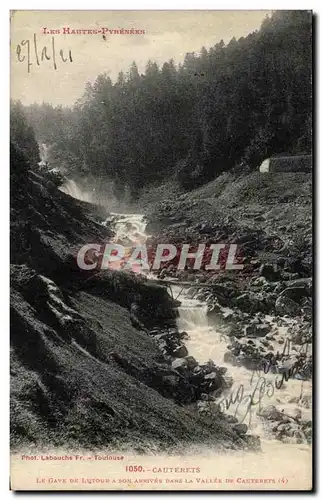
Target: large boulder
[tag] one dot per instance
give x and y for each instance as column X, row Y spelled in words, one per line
column 191, row 362
column 185, row 363
column 262, row 330
column 270, row 272
column 247, row 302
column 241, row 428
column 180, row 352
column 257, row 329
column 179, row 364
column 287, row 307
column 298, row 290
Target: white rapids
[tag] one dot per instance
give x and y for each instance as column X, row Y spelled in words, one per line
column 128, row 227
column 206, row 342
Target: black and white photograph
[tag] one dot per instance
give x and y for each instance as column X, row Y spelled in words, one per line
column 161, row 262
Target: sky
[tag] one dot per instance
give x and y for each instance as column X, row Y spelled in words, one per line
column 167, row 34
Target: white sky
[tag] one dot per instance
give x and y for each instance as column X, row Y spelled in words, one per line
column 168, row 34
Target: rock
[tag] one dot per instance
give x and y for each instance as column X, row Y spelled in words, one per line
column 271, row 413
column 228, row 317
column 245, row 302
column 178, row 388
column 282, row 430
column 180, row 352
column 197, row 379
column 212, row 382
column 307, row 282
column 214, row 309
column 250, row 330
column 179, row 364
column 286, row 306
column 209, row 366
column 296, row 292
column 262, row 330
column 279, row 288
column 236, row 331
column 270, row 272
column 187, row 363
column 198, row 369
column 155, row 331
column 170, row 380
column 191, row 362
column 205, row 228
column 229, row 357
column 231, row 419
column 240, row 428
column 257, row 330
column 251, row 302
column 295, row 413
column 293, row 399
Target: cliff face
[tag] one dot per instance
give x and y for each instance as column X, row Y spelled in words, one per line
column 81, row 374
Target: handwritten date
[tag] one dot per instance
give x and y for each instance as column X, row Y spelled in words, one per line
column 29, row 53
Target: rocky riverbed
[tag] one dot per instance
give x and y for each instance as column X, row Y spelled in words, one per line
column 84, row 374
column 261, row 316
column 269, row 336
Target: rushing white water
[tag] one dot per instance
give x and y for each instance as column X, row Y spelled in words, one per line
column 192, row 314
column 206, row 342
column 129, row 227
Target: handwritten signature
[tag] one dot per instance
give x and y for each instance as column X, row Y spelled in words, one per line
column 29, row 53
column 263, row 387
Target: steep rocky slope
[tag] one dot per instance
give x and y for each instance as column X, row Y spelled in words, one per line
column 270, row 212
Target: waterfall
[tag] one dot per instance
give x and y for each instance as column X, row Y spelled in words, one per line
column 192, row 312
column 128, row 227
column 192, row 316
column 72, row 189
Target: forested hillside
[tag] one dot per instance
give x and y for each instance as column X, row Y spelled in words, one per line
column 228, row 105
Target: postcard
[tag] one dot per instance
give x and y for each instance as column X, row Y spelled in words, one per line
column 161, row 250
